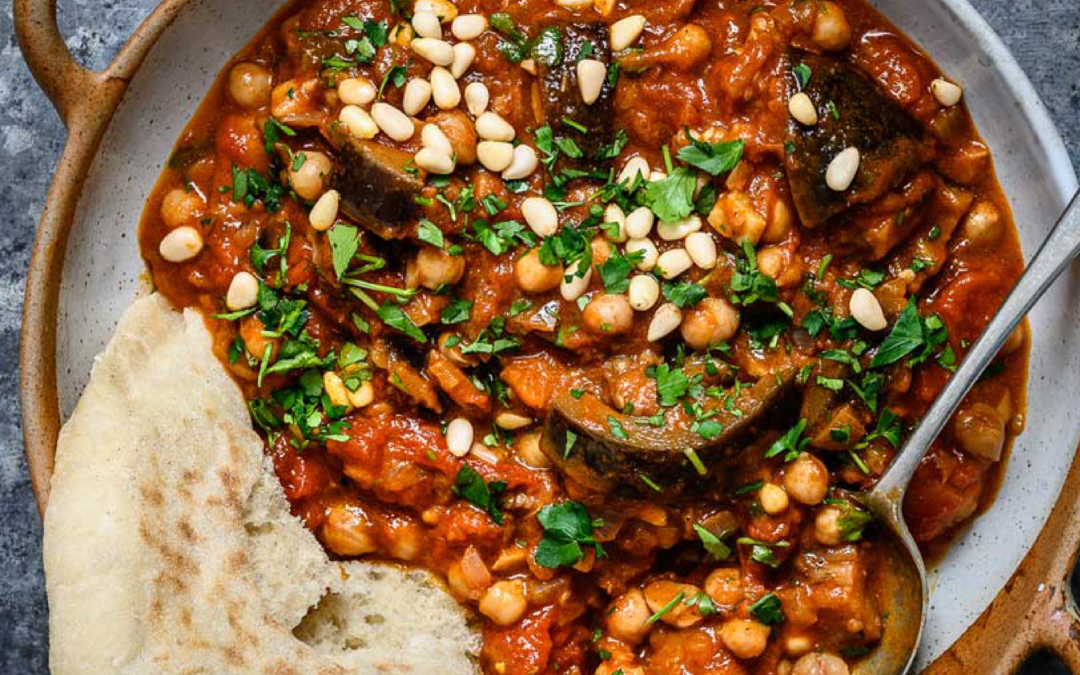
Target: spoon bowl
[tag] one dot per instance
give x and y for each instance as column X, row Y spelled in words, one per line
column 901, row 578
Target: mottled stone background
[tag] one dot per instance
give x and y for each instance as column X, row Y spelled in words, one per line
column 1044, row 35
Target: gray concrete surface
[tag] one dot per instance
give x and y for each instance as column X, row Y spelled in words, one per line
column 1044, row 35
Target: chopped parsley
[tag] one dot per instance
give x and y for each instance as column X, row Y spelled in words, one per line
column 470, row 486
column 567, row 527
column 767, row 610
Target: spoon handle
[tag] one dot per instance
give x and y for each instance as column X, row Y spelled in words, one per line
column 1055, row 254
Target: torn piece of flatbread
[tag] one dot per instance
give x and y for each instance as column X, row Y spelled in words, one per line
column 170, row 549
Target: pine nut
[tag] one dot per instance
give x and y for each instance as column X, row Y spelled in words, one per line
column 652, row 255
column 459, row 437
column 575, row 5
column 576, row 286
column 702, row 250
column 491, row 127
column 494, row 155
column 324, row 214
column 358, row 122
column 437, row 51
column 444, row 88
column 639, row 223
column 802, row 109
column 512, row 421
column 464, row 54
column 356, row 91
column 590, row 77
column 540, row 215
column 947, row 93
column 444, row 9
column 866, row 309
column 243, row 292
column 433, row 137
column 665, row 319
column 614, row 214
column 427, row 25
column 335, row 389
column 673, row 263
column 522, row 165
column 416, row 96
column 392, row 121
column 625, row 32
column 842, row 170
column 674, row 230
column 431, row 160
column 476, row 98
column 656, row 176
column 469, row 26
column 183, row 243
column 644, row 292
column 634, row 168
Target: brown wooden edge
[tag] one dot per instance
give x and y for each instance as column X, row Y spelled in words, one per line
column 85, row 101
column 1035, row 610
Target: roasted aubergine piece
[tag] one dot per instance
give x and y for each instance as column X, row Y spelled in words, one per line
column 560, row 95
column 376, row 190
column 853, row 111
column 607, row 451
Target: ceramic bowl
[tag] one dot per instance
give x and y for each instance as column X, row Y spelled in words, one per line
column 86, row 269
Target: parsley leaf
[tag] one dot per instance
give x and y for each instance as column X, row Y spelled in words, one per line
column 457, row 311
column 567, row 527
column 905, row 337
column 671, row 384
column 673, row 197
column 396, row 318
column 767, row 610
column 429, row 233
column 712, row 158
column 712, row 543
column 344, row 242
column 684, row 294
column 615, row 272
column 470, row 486
column 789, row 444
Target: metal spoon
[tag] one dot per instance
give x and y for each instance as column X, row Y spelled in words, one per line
column 902, row 579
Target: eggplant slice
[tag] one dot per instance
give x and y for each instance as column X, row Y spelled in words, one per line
column 560, row 97
column 607, row 451
column 853, row 111
column 376, row 190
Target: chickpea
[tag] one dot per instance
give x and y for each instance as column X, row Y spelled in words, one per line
column 831, row 31
column 820, row 663
column 771, row 261
column 255, row 342
column 980, row 431
column 983, row 225
column 745, row 638
column 435, row 267
column 1015, row 340
column 533, row 276
column 724, row 586
column 773, row 499
column 528, row 450
column 827, row 526
column 714, row 320
column 608, row 315
column 405, row 539
column 807, row 480
column 627, row 618
column 779, row 223
column 250, row 84
column 460, row 132
column 658, row 594
column 309, row 179
column 181, row 207
column 504, row 602
column 346, row 531
column 601, row 250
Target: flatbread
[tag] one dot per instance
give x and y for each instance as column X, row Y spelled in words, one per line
column 170, row 550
